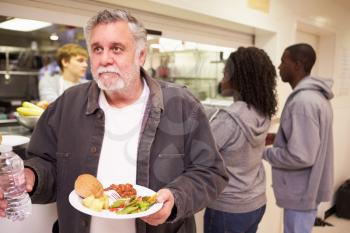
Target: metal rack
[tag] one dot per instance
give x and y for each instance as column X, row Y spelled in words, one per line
column 7, row 72
column 18, row 77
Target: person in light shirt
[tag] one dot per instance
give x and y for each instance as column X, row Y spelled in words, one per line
column 72, row 60
column 124, row 126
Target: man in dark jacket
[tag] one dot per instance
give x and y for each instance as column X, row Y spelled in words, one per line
column 124, row 127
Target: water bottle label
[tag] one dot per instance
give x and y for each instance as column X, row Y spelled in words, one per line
column 18, row 182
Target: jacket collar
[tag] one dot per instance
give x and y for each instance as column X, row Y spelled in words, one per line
column 155, row 98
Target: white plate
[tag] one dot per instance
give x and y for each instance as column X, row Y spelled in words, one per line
column 76, row 202
column 14, row 140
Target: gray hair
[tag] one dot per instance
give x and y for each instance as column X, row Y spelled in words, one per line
column 110, row 16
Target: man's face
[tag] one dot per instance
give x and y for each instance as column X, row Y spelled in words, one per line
column 115, row 63
column 286, row 67
column 76, row 66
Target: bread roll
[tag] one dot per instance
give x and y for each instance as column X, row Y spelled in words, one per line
column 87, row 185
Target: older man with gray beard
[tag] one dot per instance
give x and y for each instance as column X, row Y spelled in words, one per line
column 124, row 127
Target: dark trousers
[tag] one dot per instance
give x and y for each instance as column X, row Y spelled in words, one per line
column 216, row 221
column 55, row 227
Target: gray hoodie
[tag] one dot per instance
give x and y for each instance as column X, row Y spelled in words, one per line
column 240, row 134
column 302, row 154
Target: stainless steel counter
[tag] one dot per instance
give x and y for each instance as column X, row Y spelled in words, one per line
column 16, row 129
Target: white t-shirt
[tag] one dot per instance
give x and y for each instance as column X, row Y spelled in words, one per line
column 118, row 157
column 51, row 87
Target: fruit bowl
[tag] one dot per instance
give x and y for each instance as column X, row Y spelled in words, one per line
column 28, row 113
column 27, row 121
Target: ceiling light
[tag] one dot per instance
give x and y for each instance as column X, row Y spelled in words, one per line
column 24, row 25
column 54, row 36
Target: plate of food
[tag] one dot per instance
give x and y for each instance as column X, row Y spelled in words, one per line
column 118, row 201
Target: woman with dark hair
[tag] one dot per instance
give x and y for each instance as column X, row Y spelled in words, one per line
column 240, row 131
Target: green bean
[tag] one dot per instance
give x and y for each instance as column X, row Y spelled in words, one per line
column 128, row 210
column 118, row 203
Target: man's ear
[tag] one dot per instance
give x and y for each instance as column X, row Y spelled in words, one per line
column 299, row 66
column 64, row 62
column 142, row 56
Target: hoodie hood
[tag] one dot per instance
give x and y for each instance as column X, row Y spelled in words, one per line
column 253, row 124
column 323, row 86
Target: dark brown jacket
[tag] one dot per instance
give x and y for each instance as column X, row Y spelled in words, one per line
column 176, row 150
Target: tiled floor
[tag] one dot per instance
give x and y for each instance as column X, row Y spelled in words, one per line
column 340, row 225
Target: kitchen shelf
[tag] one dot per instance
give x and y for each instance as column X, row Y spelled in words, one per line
column 8, row 121
column 12, row 49
column 7, row 69
column 13, row 72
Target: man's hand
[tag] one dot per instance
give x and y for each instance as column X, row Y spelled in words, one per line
column 3, row 204
column 30, row 180
column 165, row 196
column 270, row 138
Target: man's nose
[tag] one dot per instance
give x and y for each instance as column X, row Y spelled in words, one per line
column 85, row 64
column 106, row 58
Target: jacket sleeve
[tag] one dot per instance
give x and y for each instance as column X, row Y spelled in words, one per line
column 41, row 153
column 296, row 144
column 205, row 175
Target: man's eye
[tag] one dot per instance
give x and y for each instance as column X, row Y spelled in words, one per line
column 97, row 49
column 116, row 49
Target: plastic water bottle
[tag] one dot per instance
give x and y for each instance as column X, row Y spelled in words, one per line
column 12, row 182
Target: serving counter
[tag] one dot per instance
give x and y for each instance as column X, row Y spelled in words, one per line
column 13, row 128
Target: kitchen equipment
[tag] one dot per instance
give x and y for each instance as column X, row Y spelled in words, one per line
column 27, row 121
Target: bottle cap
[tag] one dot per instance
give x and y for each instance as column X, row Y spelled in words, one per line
column 5, row 148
